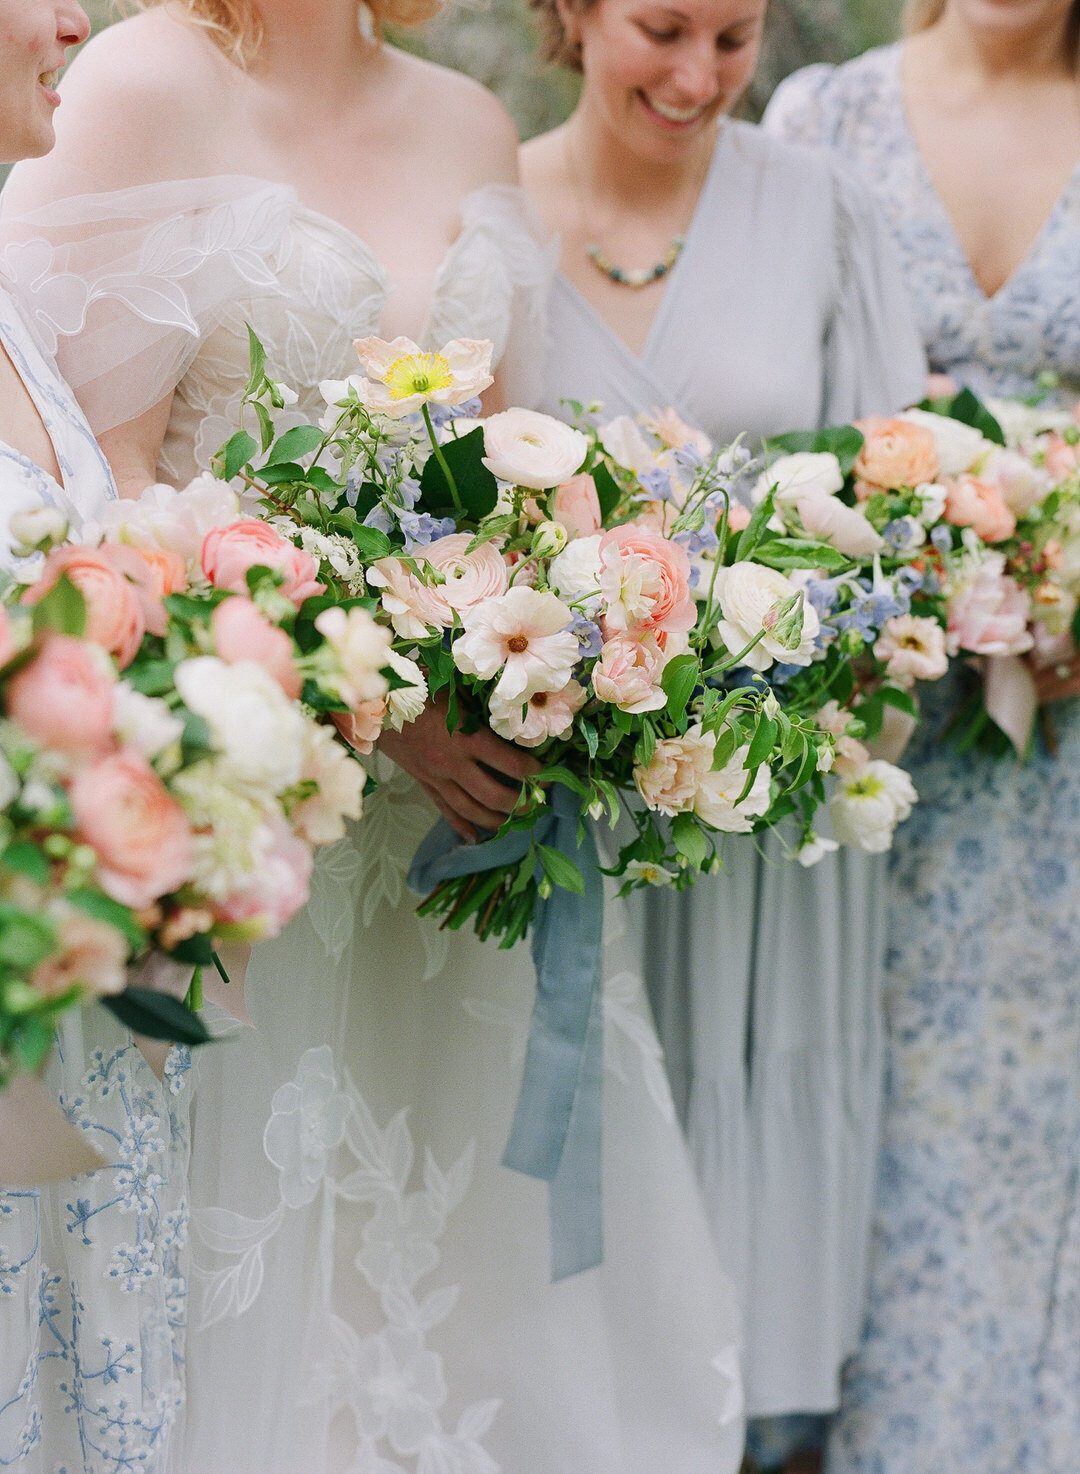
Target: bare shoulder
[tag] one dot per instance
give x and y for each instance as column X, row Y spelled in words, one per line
column 473, row 126
column 544, row 174
column 135, row 110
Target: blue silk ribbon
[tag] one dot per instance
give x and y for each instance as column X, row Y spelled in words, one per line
column 557, row 1130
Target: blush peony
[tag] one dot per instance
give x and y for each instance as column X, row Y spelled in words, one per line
column 242, row 632
column 628, row 673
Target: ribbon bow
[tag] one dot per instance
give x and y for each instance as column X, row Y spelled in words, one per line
column 556, row 1135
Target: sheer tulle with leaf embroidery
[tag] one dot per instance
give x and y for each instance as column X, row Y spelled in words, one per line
column 372, row 1287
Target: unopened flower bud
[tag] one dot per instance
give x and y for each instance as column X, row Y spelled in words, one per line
column 543, row 885
column 548, row 540
column 37, row 530
column 784, row 621
column 851, row 643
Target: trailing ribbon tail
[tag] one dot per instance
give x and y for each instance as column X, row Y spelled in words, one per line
column 557, row 1130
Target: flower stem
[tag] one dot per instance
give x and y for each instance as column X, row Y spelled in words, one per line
column 441, row 458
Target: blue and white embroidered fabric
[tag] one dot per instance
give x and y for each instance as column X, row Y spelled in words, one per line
column 971, row 1355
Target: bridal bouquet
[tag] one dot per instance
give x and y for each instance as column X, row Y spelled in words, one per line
column 599, row 596
column 966, row 539
column 166, row 769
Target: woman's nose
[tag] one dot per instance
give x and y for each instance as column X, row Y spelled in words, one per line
column 72, row 24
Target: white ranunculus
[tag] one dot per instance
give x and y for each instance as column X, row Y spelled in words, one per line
column 845, row 527
column 960, row 447
column 144, row 721
column 717, row 797
column 930, row 496
column 869, row 804
column 254, row 725
column 802, row 474
column 747, row 592
column 532, row 450
column 405, row 703
column 575, row 572
column 362, row 647
column 625, row 444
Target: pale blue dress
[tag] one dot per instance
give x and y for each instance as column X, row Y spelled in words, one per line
column 971, row 1354
column 785, row 311
column 92, row 1276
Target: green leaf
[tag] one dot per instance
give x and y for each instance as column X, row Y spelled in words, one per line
column 157, row 1016
column 762, row 743
column 902, row 700
column 371, row 542
column 970, row 410
column 235, row 454
column 32, row 1043
column 842, row 441
column 152, row 677
column 796, row 552
column 589, row 732
column 607, row 489
column 280, row 473
column 560, row 870
column 195, row 610
column 25, row 940
column 256, row 361
column 747, row 540
column 319, row 700
column 477, row 487
column 27, row 859
column 689, row 840
column 679, row 680
column 295, row 444
column 104, row 908
column 321, row 479
column 62, row 610
column 558, row 774
column 266, row 425
column 196, row 741
column 198, row 950
column 724, row 751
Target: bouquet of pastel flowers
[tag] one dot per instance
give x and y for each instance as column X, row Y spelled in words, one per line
column 599, row 596
column 166, row 769
column 963, row 534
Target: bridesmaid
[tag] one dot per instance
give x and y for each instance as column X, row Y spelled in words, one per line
column 751, row 286
column 969, row 134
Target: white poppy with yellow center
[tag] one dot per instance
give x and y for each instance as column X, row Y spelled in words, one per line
column 402, row 377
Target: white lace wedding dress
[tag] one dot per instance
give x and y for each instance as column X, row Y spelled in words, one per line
column 372, row 1289
column 91, row 1273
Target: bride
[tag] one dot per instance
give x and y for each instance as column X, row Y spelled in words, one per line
column 371, row 1289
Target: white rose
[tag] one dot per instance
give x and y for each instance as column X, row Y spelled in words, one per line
column 144, row 721
column 869, row 804
column 166, row 518
column 405, row 704
column 36, row 527
column 257, row 729
column 533, row 450
column 960, row 447
column 362, row 647
column 575, row 573
column 805, row 473
column 747, row 592
column 627, row 446
column 844, row 527
column 716, row 800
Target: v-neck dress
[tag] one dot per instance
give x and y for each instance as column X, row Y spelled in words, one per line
column 971, row 1353
column 372, row 1288
column 784, row 311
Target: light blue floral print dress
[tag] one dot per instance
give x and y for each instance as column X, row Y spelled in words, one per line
column 971, row 1356
column 92, row 1277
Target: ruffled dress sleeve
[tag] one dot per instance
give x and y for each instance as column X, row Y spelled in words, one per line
column 495, row 284
column 122, row 288
column 874, row 357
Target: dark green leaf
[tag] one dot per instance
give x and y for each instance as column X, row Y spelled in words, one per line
column 752, row 534
column 321, row 479
column 762, row 743
column 689, row 839
column 680, row 677
column 477, row 487
column 157, row 1016
column 607, row 489
column 970, row 410
column 296, row 443
column 371, row 542
column 560, row 870
column 266, row 425
column 588, row 731
column 186, row 606
column 152, row 677
column 196, row 740
column 796, row 552
column 724, row 751
column 320, row 700
column 235, row 454
column 197, row 950
column 63, row 609
column 902, row 700
column 25, row 940
column 26, row 859
column 280, row 473
column 257, row 362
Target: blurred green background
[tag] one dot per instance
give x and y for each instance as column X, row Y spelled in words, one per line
column 493, row 40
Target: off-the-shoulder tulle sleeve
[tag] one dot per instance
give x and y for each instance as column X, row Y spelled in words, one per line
column 495, row 283
column 798, row 110
column 121, row 288
column 875, row 363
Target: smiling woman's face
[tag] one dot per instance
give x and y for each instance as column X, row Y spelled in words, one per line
column 34, row 38
column 660, row 71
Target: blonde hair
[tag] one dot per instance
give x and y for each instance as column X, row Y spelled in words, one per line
column 556, row 43
column 920, row 15
column 237, row 27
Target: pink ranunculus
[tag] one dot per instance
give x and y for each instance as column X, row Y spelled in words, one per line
column 413, row 607
column 470, row 577
column 228, row 553
column 64, row 699
column 577, row 506
column 545, row 714
column 941, row 386
column 1061, row 458
column 627, row 675
column 738, row 517
column 153, row 573
column 115, row 617
column 990, row 615
column 645, row 580
column 972, row 503
column 92, row 954
column 242, row 632
column 362, row 727
column 140, row 833
column 895, row 453
column 278, row 889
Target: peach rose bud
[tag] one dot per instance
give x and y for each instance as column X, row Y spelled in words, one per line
column 577, row 506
